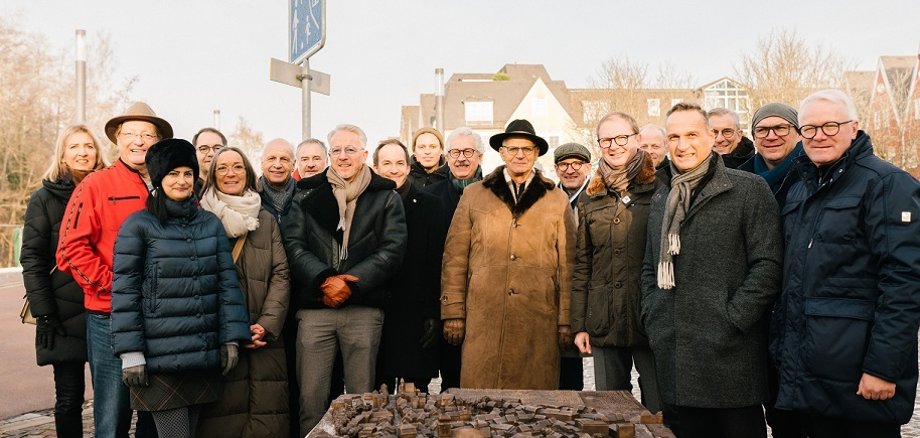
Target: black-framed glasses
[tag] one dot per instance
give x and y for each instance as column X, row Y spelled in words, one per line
column 576, row 165
column 829, row 129
column 203, row 149
column 455, row 153
column 779, row 130
column 620, row 140
column 727, row 133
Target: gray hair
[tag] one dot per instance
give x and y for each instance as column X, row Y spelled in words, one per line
column 724, row 112
column 465, row 131
column 349, row 128
column 656, row 128
column 313, row 141
column 833, row 96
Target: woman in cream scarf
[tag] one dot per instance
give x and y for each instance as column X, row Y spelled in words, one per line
column 254, row 400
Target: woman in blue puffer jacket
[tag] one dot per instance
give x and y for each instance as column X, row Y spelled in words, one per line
column 177, row 311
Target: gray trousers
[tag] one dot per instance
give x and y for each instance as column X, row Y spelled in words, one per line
column 354, row 329
column 613, row 368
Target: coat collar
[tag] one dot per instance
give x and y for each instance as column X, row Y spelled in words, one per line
column 861, row 147
column 643, row 182
column 537, row 188
column 320, row 203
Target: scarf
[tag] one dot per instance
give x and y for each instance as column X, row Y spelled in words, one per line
column 238, row 213
column 461, row 184
column 403, row 190
column 346, row 193
column 678, row 202
column 617, row 178
column 278, row 198
column 776, row 175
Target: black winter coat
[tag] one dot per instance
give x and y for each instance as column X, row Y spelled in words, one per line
column 851, row 288
column 449, row 197
column 175, row 294
column 52, row 293
column 376, row 245
column 416, row 292
column 743, row 152
column 420, row 178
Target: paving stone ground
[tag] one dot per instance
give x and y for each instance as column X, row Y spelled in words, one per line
column 40, row 424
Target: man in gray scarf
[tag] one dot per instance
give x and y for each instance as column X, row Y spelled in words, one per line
column 276, row 185
column 712, row 270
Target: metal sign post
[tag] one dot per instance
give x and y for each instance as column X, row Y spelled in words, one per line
column 307, row 34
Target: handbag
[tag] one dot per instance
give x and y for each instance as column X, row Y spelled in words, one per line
column 26, row 313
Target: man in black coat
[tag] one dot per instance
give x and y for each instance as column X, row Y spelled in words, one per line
column 844, row 334
column 730, row 141
column 412, row 329
column 345, row 240
column 464, row 154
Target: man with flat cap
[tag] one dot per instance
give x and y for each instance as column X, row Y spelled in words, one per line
column 97, row 208
column 507, row 270
column 573, row 164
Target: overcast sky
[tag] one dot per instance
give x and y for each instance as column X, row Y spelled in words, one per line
column 192, row 56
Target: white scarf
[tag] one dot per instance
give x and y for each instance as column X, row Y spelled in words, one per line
column 239, row 214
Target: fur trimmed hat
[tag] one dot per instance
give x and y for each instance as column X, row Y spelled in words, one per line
column 168, row 154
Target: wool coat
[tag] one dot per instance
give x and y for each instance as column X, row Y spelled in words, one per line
column 421, row 178
column 416, row 293
column 609, row 251
column 254, row 400
column 507, row 272
column 851, row 288
column 708, row 333
column 175, row 294
column 52, row 292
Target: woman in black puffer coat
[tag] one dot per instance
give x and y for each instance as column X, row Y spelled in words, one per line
column 56, row 300
column 178, row 316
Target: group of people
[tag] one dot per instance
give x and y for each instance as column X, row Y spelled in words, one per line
column 740, row 277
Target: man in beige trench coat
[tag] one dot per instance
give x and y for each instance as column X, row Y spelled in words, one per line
column 505, row 282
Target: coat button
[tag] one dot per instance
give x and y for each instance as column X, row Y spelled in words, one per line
column 192, row 257
column 616, row 220
column 510, row 291
column 513, row 257
column 444, row 299
column 617, row 251
column 188, row 239
column 617, row 285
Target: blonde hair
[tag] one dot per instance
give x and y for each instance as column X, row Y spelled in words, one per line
column 57, row 169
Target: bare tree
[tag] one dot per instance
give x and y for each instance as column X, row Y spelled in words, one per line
column 785, row 68
column 248, row 140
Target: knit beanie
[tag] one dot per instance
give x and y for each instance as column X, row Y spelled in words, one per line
column 421, row 131
column 775, row 109
column 168, row 154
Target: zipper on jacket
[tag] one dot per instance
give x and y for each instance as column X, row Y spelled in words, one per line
column 122, row 198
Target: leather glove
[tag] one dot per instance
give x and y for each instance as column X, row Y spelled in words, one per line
column 430, row 329
column 336, row 290
column 46, row 328
column 229, row 356
column 454, row 330
column 135, row 376
column 565, row 336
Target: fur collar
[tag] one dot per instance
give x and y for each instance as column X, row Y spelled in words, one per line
column 646, row 175
column 538, row 187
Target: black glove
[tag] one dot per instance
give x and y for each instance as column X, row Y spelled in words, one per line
column 431, row 330
column 46, row 328
column 229, row 356
column 135, row 376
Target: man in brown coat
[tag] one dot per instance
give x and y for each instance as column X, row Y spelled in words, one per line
column 507, row 270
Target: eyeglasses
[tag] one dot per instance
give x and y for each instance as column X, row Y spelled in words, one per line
column 829, row 129
column 620, row 140
column 236, row 168
column 347, row 151
column 146, row 137
column 455, row 153
column 527, row 151
column 727, row 133
column 779, row 130
column 574, row 165
column 203, row 149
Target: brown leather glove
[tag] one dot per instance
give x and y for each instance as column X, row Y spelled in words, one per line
column 565, row 336
column 336, row 290
column 454, row 330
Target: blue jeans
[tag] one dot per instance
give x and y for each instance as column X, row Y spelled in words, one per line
column 111, row 402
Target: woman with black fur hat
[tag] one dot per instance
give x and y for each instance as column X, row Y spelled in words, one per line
column 177, row 311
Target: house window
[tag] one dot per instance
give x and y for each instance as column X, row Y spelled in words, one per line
column 725, row 94
column 876, row 120
column 478, row 111
column 654, row 107
column 539, row 107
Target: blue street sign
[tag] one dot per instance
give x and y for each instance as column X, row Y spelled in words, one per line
column 307, row 28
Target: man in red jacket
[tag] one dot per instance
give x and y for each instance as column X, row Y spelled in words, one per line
column 97, row 208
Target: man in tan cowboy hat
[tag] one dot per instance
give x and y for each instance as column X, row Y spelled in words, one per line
column 97, row 208
column 507, row 269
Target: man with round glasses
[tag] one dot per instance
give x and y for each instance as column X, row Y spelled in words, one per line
column 730, row 141
column 573, row 164
column 778, row 143
column 207, row 142
column 844, row 331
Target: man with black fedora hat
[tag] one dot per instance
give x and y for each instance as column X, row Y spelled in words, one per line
column 507, row 269
column 95, row 211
